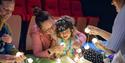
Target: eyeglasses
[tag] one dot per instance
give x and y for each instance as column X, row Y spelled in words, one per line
column 48, row 29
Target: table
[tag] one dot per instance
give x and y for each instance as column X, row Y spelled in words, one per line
column 64, row 59
column 6, row 58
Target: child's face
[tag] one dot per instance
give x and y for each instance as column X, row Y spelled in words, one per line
column 65, row 34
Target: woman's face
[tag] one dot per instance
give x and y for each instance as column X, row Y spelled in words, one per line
column 65, row 34
column 47, row 26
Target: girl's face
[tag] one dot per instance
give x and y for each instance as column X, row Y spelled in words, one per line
column 66, row 34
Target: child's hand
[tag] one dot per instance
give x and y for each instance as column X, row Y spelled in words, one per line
column 76, row 45
column 7, row 38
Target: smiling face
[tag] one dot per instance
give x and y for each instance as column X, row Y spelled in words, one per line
column 6, row 9
column 66, row 34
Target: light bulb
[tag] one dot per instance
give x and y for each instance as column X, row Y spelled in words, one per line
column 94, row 40
column 18, row 54
column 86, row 46
column 62, row 44
column 79, row 50
column 87, row 30
column 58, row 60
column 30, row 60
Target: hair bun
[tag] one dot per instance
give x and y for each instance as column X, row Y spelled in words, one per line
column 36, row 11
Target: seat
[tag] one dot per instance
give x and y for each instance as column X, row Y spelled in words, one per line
column 20, row 8
column 52, row 7
column 64, row 7
column 93, row 20
column 28, row 39
column 81, row 23
column 76, row 9
column 15, row 25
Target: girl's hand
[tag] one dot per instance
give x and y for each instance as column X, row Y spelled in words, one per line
column 76, row 45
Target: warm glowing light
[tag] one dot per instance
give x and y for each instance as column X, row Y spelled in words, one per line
column 62, row 44
column 30, row 60
column 86, row 46
column 87, row 30
column 58, row 60
column 18, row 54
column 79, row 50
column 94, row 40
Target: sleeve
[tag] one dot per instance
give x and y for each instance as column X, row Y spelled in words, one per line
column 37, row 43
column 117, row 40
column 80, row 36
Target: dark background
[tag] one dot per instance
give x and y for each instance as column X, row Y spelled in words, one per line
column 101, row 8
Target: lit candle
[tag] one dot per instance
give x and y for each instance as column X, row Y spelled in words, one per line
column 79, row 50
column 62, row 44
column 18, row 54
column 30, row 60
column 86, row 46
column 94, row 40
column 87, row 30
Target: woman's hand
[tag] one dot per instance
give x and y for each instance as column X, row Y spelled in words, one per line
column 93, row 30
column 7, row 38
column 20, row 57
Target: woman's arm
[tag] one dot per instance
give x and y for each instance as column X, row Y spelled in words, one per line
column 97, row 31
column 37, row 44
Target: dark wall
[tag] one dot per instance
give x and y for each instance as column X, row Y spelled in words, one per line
column 101, row 8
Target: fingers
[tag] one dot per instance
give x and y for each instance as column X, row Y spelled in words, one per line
column 7, row 38
column 20, row 58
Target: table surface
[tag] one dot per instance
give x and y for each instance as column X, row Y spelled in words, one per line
column 6, row 58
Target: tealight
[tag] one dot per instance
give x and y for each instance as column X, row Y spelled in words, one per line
column 79, row 50
column 94, row 40
column 18, row 54
column 30, row 60
column 58, row 60
column 86, row 46
column 62, row 44
column 87, row 30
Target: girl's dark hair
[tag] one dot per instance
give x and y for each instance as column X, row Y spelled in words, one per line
column 62, row 25
column 41, row 16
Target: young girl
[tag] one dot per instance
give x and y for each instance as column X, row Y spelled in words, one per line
column 68, row 36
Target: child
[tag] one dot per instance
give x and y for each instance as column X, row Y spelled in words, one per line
column 68, row 36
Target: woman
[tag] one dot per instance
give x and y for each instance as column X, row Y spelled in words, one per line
column 117, row 38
